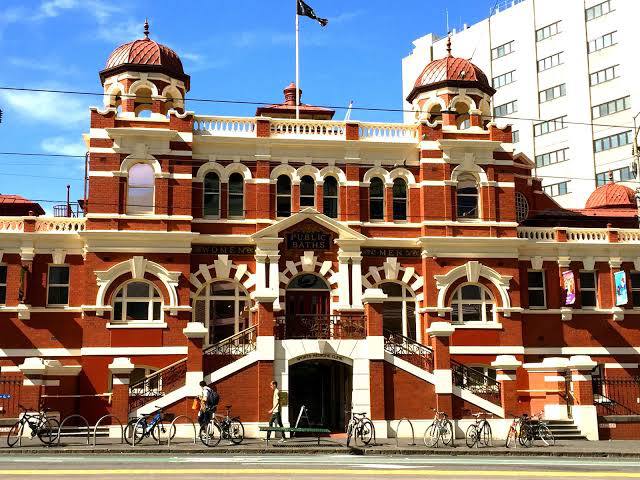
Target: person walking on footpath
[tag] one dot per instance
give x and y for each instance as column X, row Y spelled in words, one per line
column 276, row 411
column 209, row 399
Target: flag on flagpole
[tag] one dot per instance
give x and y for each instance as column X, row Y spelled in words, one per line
column 305, row 10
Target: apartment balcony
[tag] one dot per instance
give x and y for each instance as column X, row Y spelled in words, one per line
column 321, row 327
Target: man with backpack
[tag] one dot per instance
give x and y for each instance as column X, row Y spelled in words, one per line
column 209, row 400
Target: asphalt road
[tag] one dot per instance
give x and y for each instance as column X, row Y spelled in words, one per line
column 344, row 467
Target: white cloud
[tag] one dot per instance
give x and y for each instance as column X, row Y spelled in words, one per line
column 62, row 146
column 119, row 32
column 41, row 65
column 345, row 16
column 63, row 111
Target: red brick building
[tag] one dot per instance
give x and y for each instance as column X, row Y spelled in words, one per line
column 388, row 268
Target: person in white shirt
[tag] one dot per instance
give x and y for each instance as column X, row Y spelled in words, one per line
column 276, row 410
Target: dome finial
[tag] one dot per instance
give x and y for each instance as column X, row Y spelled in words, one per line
column 146, row 28
column 449, row 45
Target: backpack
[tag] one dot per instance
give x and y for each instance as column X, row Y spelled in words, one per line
column 212, row 399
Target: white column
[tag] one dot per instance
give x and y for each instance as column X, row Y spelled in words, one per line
column 274, row 279
column 343, row 282
column 261, row 272
column 356, row 282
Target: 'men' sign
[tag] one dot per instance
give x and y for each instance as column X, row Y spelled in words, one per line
column 308, row 240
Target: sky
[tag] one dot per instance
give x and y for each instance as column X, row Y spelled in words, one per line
column 233, row 50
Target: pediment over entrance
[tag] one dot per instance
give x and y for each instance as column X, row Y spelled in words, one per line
column 340, row 231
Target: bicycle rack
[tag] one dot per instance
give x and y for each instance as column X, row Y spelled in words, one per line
column 95, row 428
column 413, row 433
column 195, row 431
column 86, row 422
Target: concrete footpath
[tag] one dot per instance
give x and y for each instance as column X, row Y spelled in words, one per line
column 601, row 449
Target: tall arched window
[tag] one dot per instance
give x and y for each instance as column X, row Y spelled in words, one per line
column 223, row 306
column 330, row 197
column 137, row 301
column 376, row 199
column 283, row 196
column 307, row 192
column 472, row 303
column 399, row 310
column 467, row 197
column 236, row 195
column 399, row 199
column 140, row 189
column 211, row 195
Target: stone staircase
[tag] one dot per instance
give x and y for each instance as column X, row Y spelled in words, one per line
column 564, row 430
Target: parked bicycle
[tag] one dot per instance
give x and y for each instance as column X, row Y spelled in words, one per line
column 440, row 429
column 534, row 428
column 138, row 428
column 514, row 432
column 44, row 427
column 479, row 433
column 360, row 428
column 222, row 426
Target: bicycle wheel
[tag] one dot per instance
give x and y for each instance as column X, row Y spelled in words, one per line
column 236, row 431
column 14, row 434
column 471, row 437
column 48, row 430
column 366, row 432
column 349, row 432
column 511, row 437
column 210, row 434
column 431, row 435
column 526, row 435
column 161, row 430
column 135, row 429
column 446, row 433
column 546, row 436
column 485, row 438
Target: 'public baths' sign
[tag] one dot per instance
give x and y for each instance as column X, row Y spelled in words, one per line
column 309, row 240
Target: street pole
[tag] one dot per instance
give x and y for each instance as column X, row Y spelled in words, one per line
column 297, row 63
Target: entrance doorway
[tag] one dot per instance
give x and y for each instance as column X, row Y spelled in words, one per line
column 324, row 387
column 307, row 305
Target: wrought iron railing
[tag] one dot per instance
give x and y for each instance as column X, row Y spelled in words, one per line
column 476, row 382
column 322, row 327
column 409, row 350
column 230, row 349
column 616, row 396
column 157, row 384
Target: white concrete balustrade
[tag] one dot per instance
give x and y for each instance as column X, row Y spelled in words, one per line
column 43, row 224
column 578, row 235
column 11, row 224
column 537, row 234
column 307, row 129
column 388, row 132
column 224, row 126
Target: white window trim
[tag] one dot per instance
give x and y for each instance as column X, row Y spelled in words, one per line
column 204, row 194
column 337, row 196
column 456, row 302
column 236, row 217
column 384, row 187
column 537, row 289
column 284, row 195
column 407, row 296
column 315, row 200
column 49, row 284
column 153, row 206
column 150, row 300
column 594, row 289
column 634, row 289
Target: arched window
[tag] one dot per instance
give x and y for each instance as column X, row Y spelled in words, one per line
column 467, row 197
column 399, row 199
column 330, row 197
column 223, row 306
column 212, row 195
column 307, row 192
column 236, row 195
column 399, row 310
column 376, row 199
column 137, row 301
column 472, row 303
column 140, row 189
column 283, row 196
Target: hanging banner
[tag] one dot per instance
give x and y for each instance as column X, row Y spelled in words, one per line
column 569, row 287
column 620, row 280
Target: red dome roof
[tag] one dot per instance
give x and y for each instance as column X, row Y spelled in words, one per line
column 144, row 55
column 453, row 71
column 612, row 195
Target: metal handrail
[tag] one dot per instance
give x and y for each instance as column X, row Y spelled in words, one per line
column 461, row 378
column 233, row 346
column 165, row 379
column 413, row 433
column 401, row 346
column 157, row 372
column 95, row 428
column 86, row 422
column 195, row 431
column 324, row 327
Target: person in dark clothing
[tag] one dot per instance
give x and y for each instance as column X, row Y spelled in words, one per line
column 209, row 400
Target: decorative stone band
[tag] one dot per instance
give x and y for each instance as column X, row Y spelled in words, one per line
column 195, row 330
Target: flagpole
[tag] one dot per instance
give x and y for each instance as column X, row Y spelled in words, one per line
column 297, row 63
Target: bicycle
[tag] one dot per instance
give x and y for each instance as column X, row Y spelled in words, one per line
column 535, row 428
column 44, row 427
column 227, row 427
column 360, row 427
column 440, row 428
column 147, row 425
column 479, row 432
column 513, row 435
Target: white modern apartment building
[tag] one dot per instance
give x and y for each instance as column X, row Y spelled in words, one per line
column 566, row 75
